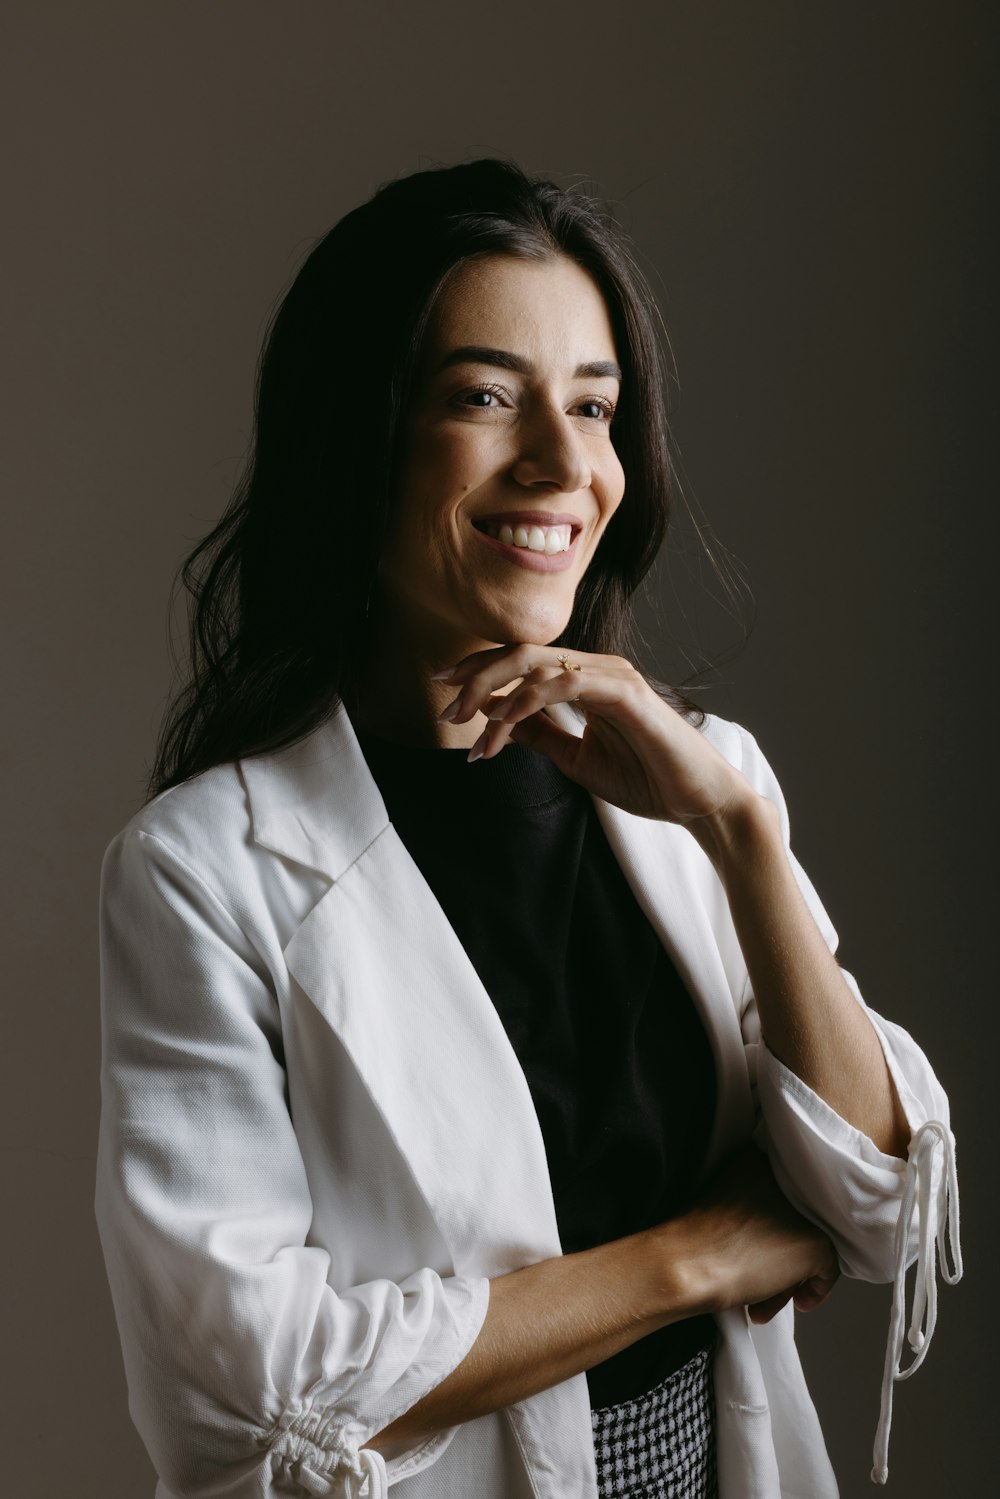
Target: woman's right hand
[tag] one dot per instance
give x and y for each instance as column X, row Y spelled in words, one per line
column 743, row 1244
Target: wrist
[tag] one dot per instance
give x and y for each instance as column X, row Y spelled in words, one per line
column 740, row 832
column 680, row 1274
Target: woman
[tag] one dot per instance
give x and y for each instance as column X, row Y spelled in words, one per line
column 430, row 1086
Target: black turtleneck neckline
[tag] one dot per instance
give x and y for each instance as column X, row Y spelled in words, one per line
column 517, row 777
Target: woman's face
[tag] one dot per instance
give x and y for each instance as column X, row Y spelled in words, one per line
column 510, row 417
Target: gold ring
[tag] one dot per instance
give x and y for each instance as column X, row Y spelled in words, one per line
column 569, row 665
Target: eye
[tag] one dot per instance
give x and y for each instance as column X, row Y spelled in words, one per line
column 604, row 409
column 495, row 392
column 601, row 409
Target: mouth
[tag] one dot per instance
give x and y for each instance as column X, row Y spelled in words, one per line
column 534, row 538
column 539, row 547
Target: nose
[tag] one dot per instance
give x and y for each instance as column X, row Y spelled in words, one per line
column 551, row 454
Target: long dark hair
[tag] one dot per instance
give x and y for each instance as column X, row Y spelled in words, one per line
column 281, row 587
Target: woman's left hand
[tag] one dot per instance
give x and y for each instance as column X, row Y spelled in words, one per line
column 636, row 751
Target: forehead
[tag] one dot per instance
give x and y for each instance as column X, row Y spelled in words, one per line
column 548, row 309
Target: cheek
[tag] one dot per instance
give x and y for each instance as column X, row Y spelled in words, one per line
column 612, row 484
column 438, row 484
column 444, row 450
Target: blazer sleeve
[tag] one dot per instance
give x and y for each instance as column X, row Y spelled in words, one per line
column 249, row 1374
column 829, row 1169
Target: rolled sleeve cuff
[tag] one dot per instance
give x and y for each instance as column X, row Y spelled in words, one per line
column 832, row 1171
column 322, row 1450
column 881, row 1213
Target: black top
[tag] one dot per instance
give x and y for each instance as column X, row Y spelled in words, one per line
column 615, row 1055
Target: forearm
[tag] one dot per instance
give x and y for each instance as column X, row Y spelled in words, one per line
column 809, row 1018
column 546, row 1323
column 739, row 1245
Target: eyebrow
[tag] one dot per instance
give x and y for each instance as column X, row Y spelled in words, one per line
column 596, row 369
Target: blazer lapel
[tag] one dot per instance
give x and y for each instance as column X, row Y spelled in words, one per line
column 381, row 962
column 670, row 878
column 681, row 895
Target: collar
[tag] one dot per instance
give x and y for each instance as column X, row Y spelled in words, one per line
column 318, row 803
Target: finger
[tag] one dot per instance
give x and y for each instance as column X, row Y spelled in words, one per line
column 763, row 1311
column 477, row 676
column 497, row 709
column 598, row 687
column 481, row 677
column 813, row 1292
column 537, row 733
column 543, row 736
column 539, row 689
column 528, row 697
column 523, row 705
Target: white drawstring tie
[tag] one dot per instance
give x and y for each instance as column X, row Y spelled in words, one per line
column 373, row 1467
column 364, row 1478
column 917, row 1194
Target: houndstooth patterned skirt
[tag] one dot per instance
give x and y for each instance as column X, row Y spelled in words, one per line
column 662, row 1444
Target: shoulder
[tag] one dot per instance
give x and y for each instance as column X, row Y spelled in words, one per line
column 199, row 830
column 263, row 836
column 196, row 814
column 190, row 857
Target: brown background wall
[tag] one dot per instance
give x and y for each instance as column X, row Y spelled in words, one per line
column 807, row 184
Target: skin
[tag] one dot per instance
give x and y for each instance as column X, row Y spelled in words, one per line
column 542, row 443
column 445, row 600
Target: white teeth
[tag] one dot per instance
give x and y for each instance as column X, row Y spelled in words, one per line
column 548, row 539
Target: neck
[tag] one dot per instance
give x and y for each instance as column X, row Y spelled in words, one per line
column 395, row 697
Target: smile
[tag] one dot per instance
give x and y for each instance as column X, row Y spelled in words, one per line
column 543, row 549
column 546, row 539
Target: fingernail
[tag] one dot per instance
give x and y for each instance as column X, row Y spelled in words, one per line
column 476, row 751
column 449, row 713
column 442, row 676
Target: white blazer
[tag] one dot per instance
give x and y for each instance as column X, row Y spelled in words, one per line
column 317, row 1145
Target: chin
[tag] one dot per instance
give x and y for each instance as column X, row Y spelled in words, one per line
column 531, row 626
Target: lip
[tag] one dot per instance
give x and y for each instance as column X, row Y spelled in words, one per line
column 536, row 562
column 531, row 518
